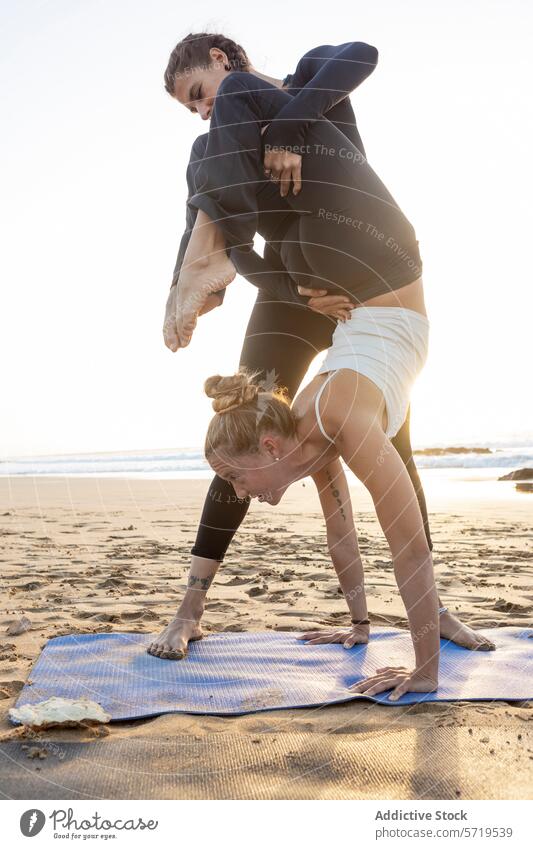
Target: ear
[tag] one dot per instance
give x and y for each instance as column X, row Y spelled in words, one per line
column 219, row 57
column 270, row 445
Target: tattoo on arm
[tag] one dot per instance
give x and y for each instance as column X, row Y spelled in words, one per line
column 335, row 492
column 199, row 583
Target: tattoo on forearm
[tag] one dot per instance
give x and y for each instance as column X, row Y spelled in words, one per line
column 335, row 492
column 198, row 583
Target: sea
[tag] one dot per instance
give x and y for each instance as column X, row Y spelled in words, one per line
column 186, row 463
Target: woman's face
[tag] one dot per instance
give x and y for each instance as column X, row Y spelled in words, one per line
column 196, row 88
column 257, row 475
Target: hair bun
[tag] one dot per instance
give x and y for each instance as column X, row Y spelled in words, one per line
column 230, row 392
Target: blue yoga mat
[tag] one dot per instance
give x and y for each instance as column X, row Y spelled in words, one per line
column 247, row 672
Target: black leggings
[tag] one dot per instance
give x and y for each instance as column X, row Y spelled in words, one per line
column 281, row 341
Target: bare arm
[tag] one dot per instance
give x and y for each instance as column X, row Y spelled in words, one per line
column 372, row 457
column 343, row 547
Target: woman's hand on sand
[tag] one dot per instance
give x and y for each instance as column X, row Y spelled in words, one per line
column 338, row 306
column 349, row 637
column 284, row 167
column 396, row 678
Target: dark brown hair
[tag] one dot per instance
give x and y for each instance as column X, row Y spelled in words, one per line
column 193, row 51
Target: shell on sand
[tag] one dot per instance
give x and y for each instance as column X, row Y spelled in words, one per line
column 59, row 711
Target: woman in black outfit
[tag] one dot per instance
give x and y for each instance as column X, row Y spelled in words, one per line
column 286, row 330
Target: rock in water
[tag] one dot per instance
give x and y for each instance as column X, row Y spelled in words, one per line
column 59, row 711
column 518, row 475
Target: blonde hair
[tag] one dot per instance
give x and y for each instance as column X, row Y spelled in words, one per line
column 243, row 412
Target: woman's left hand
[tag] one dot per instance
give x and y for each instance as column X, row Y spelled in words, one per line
column 337, row 306
column 282, row 167
column 395, row 678
column 349, row 637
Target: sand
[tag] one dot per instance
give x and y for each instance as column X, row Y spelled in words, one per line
column 108, row 554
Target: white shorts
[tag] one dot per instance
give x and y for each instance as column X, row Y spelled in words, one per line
column 389, row 346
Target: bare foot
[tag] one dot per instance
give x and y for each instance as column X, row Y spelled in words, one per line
column 460, row 634
column 195, row 284
column 172, row 642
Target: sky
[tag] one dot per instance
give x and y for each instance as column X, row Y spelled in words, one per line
column 93, row 205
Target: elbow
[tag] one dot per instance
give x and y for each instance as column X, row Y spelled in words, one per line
column 367, row 54
column 372, row 56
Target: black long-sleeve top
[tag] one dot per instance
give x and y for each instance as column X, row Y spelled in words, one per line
column 320, row 88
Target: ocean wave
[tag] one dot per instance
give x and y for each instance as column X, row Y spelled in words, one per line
column 497, row 460
column 99, row 464
column 191, row 461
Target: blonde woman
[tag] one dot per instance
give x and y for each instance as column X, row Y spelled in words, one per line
column 349, row 411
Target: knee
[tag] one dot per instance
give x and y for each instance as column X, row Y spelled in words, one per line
column 238, row 82
column 236, row 99
column 416, row 552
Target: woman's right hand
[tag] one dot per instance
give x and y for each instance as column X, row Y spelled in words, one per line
column 337, row 306
column 284, row 167
column 398, row 679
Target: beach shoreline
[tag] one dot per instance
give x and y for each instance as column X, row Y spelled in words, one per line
column 112, row 554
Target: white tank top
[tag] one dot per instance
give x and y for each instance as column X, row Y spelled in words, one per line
column 317, row 411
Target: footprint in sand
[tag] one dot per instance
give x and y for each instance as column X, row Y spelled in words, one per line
column 237, row 582
column 219, row 606
column 8, row 689
column 7, row 651
column 98, row 617
column 110, row 583
column 509, row 607
column 29, row 587
column 140, row 614
column 255, row 591
column 279, row 595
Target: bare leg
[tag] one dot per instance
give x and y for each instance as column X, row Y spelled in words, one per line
column 206, row 269
column 172, row 642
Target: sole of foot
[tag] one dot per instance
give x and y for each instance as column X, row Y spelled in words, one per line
column 194, row 291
